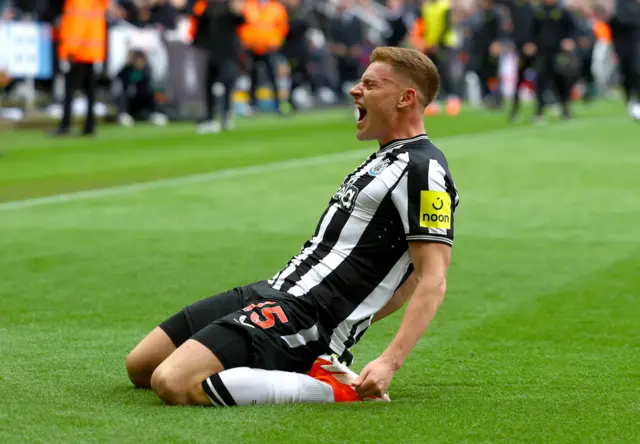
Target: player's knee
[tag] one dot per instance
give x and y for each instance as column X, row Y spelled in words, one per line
column 147, row 356
column 170, row 388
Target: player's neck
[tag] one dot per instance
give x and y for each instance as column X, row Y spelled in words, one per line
column 407, row 130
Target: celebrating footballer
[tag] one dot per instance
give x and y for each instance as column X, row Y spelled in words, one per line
column 384, row 240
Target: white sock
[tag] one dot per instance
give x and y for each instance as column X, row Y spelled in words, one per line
column 249, row 386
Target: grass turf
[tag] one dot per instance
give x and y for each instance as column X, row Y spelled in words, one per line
column 537, row 341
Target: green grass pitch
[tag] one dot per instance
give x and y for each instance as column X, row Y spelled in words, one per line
column 538, row 339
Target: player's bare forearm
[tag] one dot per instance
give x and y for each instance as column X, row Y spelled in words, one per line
column 423, row 305
column 399, row 298
column 431, row 262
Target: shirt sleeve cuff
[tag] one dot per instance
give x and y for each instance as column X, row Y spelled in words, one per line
column 429, row 238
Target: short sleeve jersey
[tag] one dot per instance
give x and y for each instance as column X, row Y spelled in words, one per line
column 358, row 255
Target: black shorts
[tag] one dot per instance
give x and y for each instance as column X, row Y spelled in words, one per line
column 253, row 326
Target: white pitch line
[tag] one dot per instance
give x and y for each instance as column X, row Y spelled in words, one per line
column 183, row 180
column 220, row 174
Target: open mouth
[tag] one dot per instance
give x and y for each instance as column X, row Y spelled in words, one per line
column 362, row 113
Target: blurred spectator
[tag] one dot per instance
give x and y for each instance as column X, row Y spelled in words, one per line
column 602, row 67
column 136, row 99
column 215, row 32
column 440, row 40
column 522, row 17
column 625, row 30
column 263, row 35
column 554, row 32
column 585, row 41
column 484, row 50
column 81, row 49
column 346, row 34
column 296, row 47
column 400, row 19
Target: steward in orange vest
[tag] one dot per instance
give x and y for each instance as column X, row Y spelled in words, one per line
column 81, row 44
column 262, row 35
column 266, row 26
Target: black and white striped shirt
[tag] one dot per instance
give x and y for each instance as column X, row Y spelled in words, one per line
column 359, row 254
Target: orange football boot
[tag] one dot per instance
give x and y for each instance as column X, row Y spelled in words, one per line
column 331, row 371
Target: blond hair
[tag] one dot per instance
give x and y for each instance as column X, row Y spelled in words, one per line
column 413, row 65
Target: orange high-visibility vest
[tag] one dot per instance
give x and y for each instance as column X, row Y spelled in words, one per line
column 198, row 9
column 602, row 31
column 417, row 33
column 266, row 26
column 83, row 31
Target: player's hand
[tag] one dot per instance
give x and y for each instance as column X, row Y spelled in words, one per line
column 568, row 45
column 374, row 378
column 530, row 49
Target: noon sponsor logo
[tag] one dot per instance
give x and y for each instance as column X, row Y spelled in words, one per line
column 435, row 209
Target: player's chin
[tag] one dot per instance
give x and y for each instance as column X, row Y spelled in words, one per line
column 363, row 134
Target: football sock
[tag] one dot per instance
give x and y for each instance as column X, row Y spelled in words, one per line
column 249, row 386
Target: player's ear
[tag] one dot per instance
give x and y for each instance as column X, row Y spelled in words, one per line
column 407, row 98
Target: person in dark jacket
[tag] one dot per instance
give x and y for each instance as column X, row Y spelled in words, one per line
column 625, row 31
column 400, row 19
column 296, row 47
column 522, row 17
column 136, row 98
column 553, row 45
column 485, row 48
column 585, row 42
column 215, row 32
column 346, row 35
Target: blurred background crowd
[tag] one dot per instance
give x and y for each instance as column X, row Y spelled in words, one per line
column 209, row 60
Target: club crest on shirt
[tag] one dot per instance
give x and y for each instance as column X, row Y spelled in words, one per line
column 379, row 167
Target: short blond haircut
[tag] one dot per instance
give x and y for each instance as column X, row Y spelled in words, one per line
column 413, row 65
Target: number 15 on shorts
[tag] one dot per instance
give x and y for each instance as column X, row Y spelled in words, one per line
column 263, row 314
